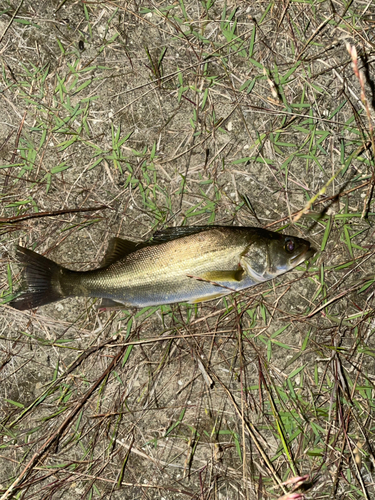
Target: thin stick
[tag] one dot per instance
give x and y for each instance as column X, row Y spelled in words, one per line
column 6, row 180
column 11, row 21
column 56, row 436
column 249, row 428
column 18, row 218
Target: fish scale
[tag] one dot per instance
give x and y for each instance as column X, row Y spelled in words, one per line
column 138, row 280
column 182, row 264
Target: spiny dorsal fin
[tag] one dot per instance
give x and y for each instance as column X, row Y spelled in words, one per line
column 173, row 233
column 118, row 249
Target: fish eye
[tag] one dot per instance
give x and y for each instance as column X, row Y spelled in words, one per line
column 289, row 246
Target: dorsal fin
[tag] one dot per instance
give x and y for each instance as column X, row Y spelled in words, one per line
column 118, row 249
column 173, row 233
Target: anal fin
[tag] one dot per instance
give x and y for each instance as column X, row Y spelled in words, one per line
column 110, row 304
column 206, row 298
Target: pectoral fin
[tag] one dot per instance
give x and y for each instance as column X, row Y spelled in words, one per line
column 219, row 276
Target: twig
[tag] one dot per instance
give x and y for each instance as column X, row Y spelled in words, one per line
column 6, row 180
column 319, row 28
column 11, row 21
column 340, row 195
column 18, row 218
column 56, row 436
column 249, row 428
column 86, row 353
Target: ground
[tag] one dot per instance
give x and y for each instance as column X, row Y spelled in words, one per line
column 122, row 118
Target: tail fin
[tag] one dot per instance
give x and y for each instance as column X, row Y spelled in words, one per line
column 41, row 277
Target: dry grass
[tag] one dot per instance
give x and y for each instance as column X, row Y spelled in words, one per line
column 120, row 118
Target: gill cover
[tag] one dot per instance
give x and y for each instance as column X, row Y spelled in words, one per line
column 272, row 254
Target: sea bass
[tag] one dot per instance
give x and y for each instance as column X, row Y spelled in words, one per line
column 182, row 264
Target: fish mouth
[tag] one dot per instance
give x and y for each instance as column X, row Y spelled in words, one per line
column 306, row 254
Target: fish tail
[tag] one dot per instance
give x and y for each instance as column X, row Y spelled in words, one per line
column 41, row 281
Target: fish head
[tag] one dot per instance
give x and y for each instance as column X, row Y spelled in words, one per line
column 287, row 253
column 272, row 254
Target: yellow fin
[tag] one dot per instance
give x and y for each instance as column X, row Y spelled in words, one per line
column 206, row 298
column 217, row 276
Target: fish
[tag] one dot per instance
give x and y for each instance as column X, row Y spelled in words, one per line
column 179, row 264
